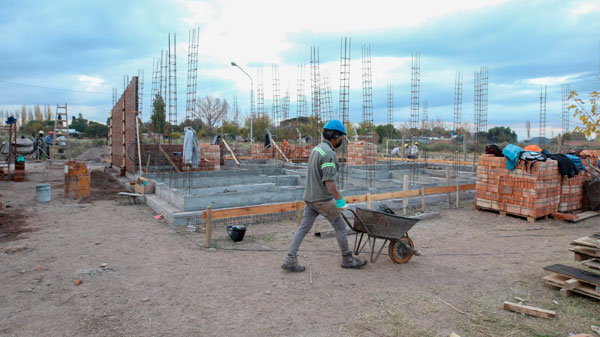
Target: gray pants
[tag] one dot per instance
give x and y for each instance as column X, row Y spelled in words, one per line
column 330, row 211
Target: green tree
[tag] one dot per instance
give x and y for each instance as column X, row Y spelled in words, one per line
column 589, row 114
column 158, row 115
column 96, row 130
column 259, row 126
column 387, row 131
column 79, row 124
column 501, row 134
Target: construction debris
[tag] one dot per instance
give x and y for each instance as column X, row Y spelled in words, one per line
column 529, row 310
column 571, row 279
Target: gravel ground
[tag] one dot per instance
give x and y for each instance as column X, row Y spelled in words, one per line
column 141, row 277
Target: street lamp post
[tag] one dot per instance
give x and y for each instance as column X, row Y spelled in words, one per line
column 251, row 99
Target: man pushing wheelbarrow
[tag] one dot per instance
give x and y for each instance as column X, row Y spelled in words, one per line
column 321, row 196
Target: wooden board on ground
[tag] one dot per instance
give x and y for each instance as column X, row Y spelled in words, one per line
column 593, row 252
column 574, row 217
column 529, row 310
column 594, row 264
column 251, row 210
column 576, row 273
column 582, row 288
column 587, row 241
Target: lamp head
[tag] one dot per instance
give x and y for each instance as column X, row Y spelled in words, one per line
column 233, row 64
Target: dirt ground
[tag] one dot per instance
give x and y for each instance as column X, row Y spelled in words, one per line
column 144, row 278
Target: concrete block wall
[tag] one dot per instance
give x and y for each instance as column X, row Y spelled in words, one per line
column 531, row 193
column 362, row 153
column 127, row 104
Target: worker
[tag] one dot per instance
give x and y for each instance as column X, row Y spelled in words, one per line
column 395, row 152
column 62, row 145
column 39, row 145
column 48, row 142
column 321, row 196
column 413, row 151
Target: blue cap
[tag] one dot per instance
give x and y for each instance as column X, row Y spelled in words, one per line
column 336, row 125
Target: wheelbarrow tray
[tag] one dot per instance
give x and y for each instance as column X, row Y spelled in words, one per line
column 382, row 225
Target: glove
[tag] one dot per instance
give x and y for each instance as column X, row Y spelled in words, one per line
column 341, row 204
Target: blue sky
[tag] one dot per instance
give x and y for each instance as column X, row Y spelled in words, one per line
column 76, row 52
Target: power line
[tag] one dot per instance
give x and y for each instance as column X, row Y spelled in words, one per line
column 61, row 89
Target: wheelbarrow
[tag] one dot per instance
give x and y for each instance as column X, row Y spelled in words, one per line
column 391, row 228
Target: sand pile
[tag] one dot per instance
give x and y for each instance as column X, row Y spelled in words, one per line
column 95, row 154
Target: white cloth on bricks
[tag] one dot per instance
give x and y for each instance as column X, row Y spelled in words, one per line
column 191, row 150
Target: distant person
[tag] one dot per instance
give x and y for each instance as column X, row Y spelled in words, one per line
column 413, row 151
column 39, row 145
column 321, row 197
column 62, row 145
column 48, row 142
column 395, row 152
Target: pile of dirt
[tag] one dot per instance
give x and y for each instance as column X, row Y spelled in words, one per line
column 96, row 154
column 12, row 224
column 103, row 185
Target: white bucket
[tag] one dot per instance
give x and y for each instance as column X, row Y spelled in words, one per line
column 44, row 192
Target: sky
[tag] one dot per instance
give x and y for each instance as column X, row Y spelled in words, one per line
column 76, row 52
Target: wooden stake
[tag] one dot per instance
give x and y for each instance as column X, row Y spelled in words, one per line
column 368, row 200
column 299, row 211
column 208, row 226
column 448, row 184
column 457, row 196
column 405, row 199
column 423, row 199
column 139, row 147
column 148, row 165
column 230, row 151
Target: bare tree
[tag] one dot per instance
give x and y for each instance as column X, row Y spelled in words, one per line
column 211, row 110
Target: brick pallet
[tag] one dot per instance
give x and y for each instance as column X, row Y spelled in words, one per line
column 532, row 193
column 571, row 196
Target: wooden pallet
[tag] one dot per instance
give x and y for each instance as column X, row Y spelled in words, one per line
column 504, row 213
column 593, row 263
column 585, row 251
column 571, row 279
column 574, row 217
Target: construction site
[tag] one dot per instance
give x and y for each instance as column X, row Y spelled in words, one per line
column 142, row 241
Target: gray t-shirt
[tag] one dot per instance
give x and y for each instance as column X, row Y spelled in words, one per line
column 322, row 166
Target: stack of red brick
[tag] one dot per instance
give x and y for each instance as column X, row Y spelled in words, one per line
column 298, row 153
column 531, row 193
column 19, row 174
column 534, row 193
column 362, row 153
column 571, row 195
column 211, row 153
column 260, row 152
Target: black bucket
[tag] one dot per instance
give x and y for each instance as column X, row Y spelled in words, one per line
column 236, row 233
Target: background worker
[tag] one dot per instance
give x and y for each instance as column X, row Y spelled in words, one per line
column 321, row 196
column 39, row 145
column 48, row 142
column 395, row 152
column 413, row 151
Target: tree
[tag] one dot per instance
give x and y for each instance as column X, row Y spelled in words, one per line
column 211, row 111
column 588, row 115
column 259, row 126
column 158, row 115
column 501, row 134
column 96, row 130
column 39, row 116
column 573, row 136
column 23, row 115
column 387, row 131
column 79, row 124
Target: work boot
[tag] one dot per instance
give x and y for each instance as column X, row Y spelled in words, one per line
column 291, row 264
column 350, row 262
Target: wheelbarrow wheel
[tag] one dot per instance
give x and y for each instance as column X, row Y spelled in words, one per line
column 398, row 253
